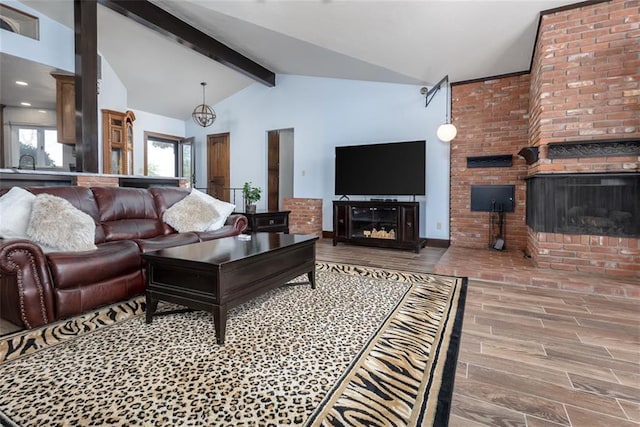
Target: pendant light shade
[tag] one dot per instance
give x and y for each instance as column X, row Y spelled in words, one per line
column 203, row 115
column 446, row 132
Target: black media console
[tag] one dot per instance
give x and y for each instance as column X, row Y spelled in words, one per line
column 389, row 224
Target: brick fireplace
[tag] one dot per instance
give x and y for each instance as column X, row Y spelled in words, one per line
column 576, row 129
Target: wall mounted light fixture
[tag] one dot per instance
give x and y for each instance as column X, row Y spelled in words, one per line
column 446, row 131
column 203, row 115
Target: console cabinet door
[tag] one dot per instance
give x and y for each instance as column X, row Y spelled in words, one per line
column 408, row 223
column 340, row 221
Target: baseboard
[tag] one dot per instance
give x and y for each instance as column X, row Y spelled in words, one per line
column 434, row 243
column 438, row 243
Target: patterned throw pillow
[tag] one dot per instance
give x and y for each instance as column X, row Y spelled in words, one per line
column 59, row 226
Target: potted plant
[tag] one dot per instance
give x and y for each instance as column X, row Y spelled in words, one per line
column 251, row 197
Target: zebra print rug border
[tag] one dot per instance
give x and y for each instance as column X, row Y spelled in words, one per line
column 23, row 343
column 402, row 376
column 380, row 388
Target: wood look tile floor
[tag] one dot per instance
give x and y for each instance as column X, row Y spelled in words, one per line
column 532, row 356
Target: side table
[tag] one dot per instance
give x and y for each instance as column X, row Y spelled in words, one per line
column 268, row 221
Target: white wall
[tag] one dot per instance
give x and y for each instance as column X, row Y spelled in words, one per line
column 113, row 96
column 325, row 113
column 55, row 47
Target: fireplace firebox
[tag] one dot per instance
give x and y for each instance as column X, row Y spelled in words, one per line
column 603, row 204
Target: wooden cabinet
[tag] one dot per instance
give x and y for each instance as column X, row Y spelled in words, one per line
column 373, row 223
column 65, row 107
column 270, row 221
column 117, row 142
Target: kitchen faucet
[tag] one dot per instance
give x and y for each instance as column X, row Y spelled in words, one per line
column 33, row 161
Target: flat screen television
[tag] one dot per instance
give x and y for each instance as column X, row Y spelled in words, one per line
column 394, row 169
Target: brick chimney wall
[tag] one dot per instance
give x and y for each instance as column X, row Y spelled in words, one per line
column 492, row 119
column 585, row 85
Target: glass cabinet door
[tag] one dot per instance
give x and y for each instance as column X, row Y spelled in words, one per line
column 117, row 141
column 374, row 222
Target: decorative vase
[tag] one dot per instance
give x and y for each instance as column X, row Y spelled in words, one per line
column 250, row 209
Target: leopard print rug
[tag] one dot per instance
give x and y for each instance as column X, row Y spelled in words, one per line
column 367, row 347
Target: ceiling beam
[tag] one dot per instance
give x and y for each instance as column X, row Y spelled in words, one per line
column 159, row 20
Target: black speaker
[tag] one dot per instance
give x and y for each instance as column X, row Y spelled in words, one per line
column 530, row 154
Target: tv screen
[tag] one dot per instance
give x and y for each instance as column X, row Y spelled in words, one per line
column 396, row 168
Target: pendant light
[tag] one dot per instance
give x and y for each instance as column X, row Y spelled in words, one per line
column 203, row 115
column 447, row 131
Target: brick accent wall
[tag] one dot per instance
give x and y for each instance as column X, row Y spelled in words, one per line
column 305, row 216
column 492, row 119
column 614, row 256
column 585, row 85
column 97, row 181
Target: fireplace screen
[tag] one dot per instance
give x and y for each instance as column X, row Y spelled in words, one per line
column 595, row 204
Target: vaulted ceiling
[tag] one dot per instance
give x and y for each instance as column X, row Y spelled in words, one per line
column 410, row 42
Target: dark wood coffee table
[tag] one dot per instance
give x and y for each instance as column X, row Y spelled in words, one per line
column 223, row 273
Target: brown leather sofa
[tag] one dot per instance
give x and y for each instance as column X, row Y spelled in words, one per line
column 37, row 288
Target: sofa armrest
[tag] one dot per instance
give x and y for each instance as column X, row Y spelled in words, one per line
column 238, row 221
column 26, row 261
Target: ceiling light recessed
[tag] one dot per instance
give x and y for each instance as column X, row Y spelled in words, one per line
column 21, row 83
column 26, row 104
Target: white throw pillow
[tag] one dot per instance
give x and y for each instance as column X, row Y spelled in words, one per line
column 192, row 213
column 224, row 209
column 58, row 225
column 15, row 211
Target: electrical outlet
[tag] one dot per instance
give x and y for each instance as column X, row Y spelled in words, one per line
column 439, row 226
column 304, row 172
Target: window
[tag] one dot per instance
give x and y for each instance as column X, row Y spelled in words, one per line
column 41, row 143
column 17, row 21
column 167, row 155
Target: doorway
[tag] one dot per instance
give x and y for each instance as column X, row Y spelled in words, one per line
column 218, row 169
column 279, row 167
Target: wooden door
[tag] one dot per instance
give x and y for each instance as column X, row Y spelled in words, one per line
column 218, row 170
column 273, row 168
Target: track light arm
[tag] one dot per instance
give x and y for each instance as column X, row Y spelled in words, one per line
column 429, row 94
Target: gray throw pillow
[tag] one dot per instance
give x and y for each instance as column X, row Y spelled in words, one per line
column 223, row 208
column 59, row 226
column 191, row 214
